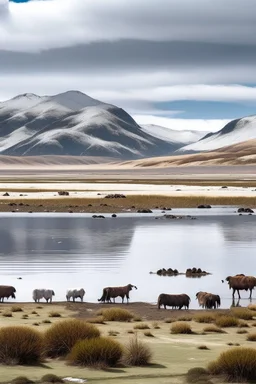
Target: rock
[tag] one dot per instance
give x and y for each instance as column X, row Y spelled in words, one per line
column 204, row 206
column 6, row 194
column 98, row 217
column 224, row 187
column 114, row 215
column 245, row 210
column 144, row 211
column 63, row 193
column 115, row 196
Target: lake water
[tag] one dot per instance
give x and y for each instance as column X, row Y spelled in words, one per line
column 60, row 251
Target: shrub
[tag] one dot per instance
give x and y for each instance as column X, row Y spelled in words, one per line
column 148, row 334
column 60, row 338
column 242, row 313
column 54, row 314
column 99, row 351
column 205, row 318
column 7, row 314
column 237, row 364
column 251, row 337
column 51, row 378
column 203, row 347
column 214, row 329
column 141, row 326
column 20, row 345
column 16, row 308
column 226, row 321
column 116, row 314
column 22, row 380
column 137, row 353
column 181, row 327
column 197, row 374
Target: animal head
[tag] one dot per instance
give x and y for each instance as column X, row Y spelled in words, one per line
column 53, row 293
column 130, row 286
column 197, row 293
column 228, row 278
column 13, row 296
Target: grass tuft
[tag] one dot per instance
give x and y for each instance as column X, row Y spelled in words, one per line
column 96, row 320
column 251, row 337
column 137, row 353
column 141, row 326
column 20, row 345
column 241, row 331
column 196, row 375
column 21, row 380
column 46, row 321
column 226, row 321
column 237, row 364
column 7, row 314
column 181, row 328
column 102, row 351
column 148, row 334
column 54, row 314
column 116, row 314
column 242, row 313
column 205, row 318
column 213, row 329
column 156, row 325
column 113, row 333
column 51, row 378
column 60, row 338
column 16, row 308
column 204, row 347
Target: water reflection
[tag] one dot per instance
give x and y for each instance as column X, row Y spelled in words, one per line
column 61, row 252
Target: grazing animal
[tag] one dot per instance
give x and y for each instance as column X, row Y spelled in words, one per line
column 113, row 292
column 241, row 282
column 74, row 293
column 208, row 300
column 174, row 301
column 7, row 291
column 46, row 294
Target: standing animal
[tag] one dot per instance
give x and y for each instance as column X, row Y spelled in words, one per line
column 7, row 291
column 74, row 293
column 208, row 300
column 113, row 292
column 241, row 282
column 174, row 301
column 39, row 294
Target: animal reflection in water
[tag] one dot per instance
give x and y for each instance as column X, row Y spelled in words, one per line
column 241, row 282
column 113, row 292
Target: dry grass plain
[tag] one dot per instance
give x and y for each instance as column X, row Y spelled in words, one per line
column 173, row 354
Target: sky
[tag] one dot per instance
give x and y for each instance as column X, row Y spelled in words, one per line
column 178, row 63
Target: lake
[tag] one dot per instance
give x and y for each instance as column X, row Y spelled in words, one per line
column 60, row 251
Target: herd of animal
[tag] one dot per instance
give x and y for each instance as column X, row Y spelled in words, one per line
column 205, row 299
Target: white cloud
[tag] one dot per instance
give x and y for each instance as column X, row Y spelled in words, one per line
column 40, row 25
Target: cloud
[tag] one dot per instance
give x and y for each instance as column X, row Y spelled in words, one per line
column 39, row 25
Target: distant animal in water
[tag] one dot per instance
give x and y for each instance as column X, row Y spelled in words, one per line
column 174, row 301
column 75, row 293
column 46, row 294
column 113, row 292
column 222, row 281
column 208, row 300
column 7, row 291
column 241, row 282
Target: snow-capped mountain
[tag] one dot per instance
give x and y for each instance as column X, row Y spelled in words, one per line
column 179, row 137
column 73, row 123
column 236, row 131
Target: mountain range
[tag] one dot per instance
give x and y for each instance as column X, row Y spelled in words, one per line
column 74, row 124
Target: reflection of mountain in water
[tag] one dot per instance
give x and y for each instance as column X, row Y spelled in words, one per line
column 63, row 244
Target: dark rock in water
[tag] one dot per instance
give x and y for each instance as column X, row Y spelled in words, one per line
column 204, row 206
column 245, row 210
column 115, row 196
column 114, row 215
column 6, row 194
column 98, row 217
column 89, row 205
column 144, row 211
column 19, row 278
column 63, row 193
column 224, row 187
column 196, row 272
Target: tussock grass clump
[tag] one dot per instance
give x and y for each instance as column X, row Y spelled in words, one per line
column 237, row 364
column 36, row 324
column 137, row 318
column 46, row 321
column 252, row 307
column 204, row 347
column 181, row 327
column 141, row 326
column 34, row 313
column 60, row 338
column 22, row 380
column 25, row 316
column 213, row 329
column 16, row 308
column 54, row 314
column 130, row 331
column 155, row 325
column 51, row 378
column 197, row 374
column 148, row 334
column 116, row 314
column 251, row 337
column 7, row 314
column 241, row 331
column 205, row 318
column 137, row 353
column 243, row 324
column 233, row 344
column 113, row 333
column 168, row 321
column 20, row 345
column 242, row 313
column 96, row 320
column 101, row 351
column 226, row 321
column 185, row 318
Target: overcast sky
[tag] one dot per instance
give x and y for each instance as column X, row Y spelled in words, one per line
column 163, row 61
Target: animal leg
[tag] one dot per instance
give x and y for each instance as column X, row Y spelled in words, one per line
column 238, row 294
column 250, row 297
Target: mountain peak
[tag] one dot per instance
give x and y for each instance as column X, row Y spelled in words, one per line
column 75, row 100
